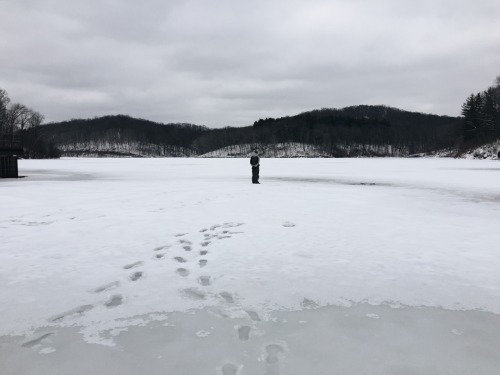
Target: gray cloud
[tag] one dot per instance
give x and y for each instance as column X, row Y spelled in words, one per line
column 231, row 62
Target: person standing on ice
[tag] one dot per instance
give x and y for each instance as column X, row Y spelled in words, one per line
column 255, row 163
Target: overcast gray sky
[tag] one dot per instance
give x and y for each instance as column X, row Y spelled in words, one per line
column 230, row 62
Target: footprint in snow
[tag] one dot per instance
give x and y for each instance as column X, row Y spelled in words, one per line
column 202, row 262
column 132, row 265
column 114, row 300
column 229, row 369
column 107, row 286
column 288, row 224
column 194, row 293
column 180, row 259
column 253, row 315
column 273, row 351
column 232, row 225
column 187, row 248
column 244, row 333
column 180, row 234
column 159, row 256
column 161, row 248
column 182, row 271
column 136, row 275
column 77, row 311
column 186, row 242
column 204, row 280
column 203, row 252
column 308, row 304
column 37, row 341
column 227, row 297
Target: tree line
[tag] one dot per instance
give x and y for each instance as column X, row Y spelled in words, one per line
column 351, row 131
column 122, row 135
column 481, row 117
column 336, row 131
column 21, row 124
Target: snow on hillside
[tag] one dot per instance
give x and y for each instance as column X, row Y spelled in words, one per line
column 182, row 266
column 118, row 149
column 279, row 150
column 368, row 150
column 302, row 150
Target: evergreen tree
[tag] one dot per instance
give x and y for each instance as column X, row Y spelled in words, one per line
column 489, row 112
column 494, row 92
column 481, row 115
column 471, row 112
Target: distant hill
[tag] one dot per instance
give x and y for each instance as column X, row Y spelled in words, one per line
column 122, row 136
column 351, row 131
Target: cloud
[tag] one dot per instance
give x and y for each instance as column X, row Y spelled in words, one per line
column 231, row 62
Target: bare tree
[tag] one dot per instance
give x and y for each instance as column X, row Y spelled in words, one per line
column 4, row 104
column 18, row 117
column 35, row 119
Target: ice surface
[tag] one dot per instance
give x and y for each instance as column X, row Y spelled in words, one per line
column 327, row 340
column 128, row 252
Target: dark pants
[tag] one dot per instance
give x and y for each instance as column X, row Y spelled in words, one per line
column 255, row 175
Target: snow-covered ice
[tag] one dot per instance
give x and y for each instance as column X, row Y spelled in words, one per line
column 182, row 266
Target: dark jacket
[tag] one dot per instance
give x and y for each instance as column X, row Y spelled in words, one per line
column 254, row 161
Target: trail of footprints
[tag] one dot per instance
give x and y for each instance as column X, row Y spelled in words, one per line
column 199, row 291
column 271, row 356
column 215, row 232
column 271, row 359
column 199, row 259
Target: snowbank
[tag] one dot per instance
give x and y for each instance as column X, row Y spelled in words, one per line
column 488, row 151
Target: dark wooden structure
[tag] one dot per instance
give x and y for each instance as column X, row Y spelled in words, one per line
column 11, row 147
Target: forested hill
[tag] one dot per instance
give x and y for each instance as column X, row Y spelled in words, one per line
column 122, row 136
column 351, row 131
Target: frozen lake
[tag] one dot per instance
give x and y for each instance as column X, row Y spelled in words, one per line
column 182, row 266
